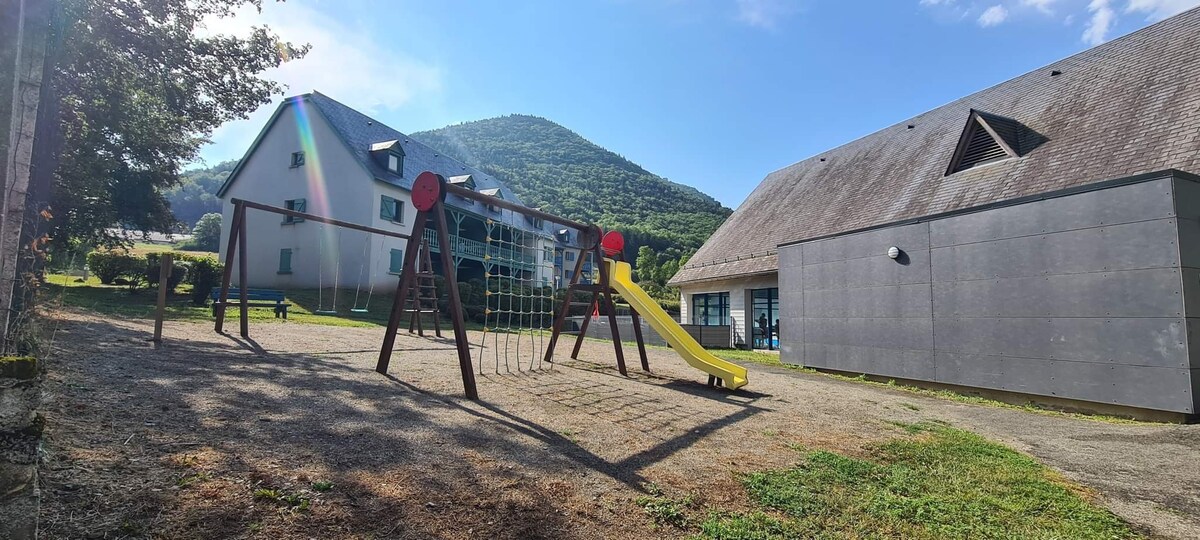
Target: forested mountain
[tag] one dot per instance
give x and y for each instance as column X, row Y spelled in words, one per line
column 196, row 193
column 551, row 167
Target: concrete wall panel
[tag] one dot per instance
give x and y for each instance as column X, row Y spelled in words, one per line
column 1135, row 293
column 1124, row 204
column 914, row 333
column 888, row 362
column 890, row 301
column 867, row 244
column 867, row 272
column 1136, row 386
column 1136, row 342
column 1143, row 244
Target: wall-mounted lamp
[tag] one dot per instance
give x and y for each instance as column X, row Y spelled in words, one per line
column 893, row 252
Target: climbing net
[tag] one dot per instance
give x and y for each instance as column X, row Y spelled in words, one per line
column 520, row 294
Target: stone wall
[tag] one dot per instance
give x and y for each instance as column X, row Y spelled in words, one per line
column 20, row 437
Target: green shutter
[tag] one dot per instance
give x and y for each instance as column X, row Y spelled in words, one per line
column 387, row 208
column 301, row 206
column 285, row 261
column 397, row 262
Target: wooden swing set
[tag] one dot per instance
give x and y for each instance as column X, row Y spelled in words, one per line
column 429, row 193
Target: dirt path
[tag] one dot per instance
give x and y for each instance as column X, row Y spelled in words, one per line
column 175, row 441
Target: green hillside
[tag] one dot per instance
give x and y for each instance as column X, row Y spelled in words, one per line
column 551, row 167
column 196, row 193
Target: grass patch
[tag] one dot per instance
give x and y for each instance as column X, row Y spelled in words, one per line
column 91, row 295
column 666, row 511
column 940, row 483
column 322, row 486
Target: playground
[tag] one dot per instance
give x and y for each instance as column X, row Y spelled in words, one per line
column 519, row 430
column 214, row 436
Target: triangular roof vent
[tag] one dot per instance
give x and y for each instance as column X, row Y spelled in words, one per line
column 988, row 138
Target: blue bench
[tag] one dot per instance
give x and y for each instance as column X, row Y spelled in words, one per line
column 254, row 298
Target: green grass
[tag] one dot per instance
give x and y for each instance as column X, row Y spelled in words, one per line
column 939, row 483
column 665, row 511
column 117, row 300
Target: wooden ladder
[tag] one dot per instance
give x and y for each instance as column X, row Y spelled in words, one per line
column 424, row 297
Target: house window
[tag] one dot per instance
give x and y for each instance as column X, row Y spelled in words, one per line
column 285, row 261
column 298, row 205
column 569, row 256
column 396, row 264
column 710, row 309
column 391, row 209
column 395, row 163
column 297, row 159
column 547, row 253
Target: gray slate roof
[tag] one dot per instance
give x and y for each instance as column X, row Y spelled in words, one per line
column 1126, row 107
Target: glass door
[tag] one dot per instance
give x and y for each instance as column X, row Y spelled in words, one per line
column 764, row 322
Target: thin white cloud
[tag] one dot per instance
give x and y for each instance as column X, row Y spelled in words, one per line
column 993, row 16
column 1157, row 10
column 764, row 14
column 936, row 2
column 1043, row 6
column 1101, row 22
column 345, row 63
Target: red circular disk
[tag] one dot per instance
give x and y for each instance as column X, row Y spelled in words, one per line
column 426, row 190
column 612, row 243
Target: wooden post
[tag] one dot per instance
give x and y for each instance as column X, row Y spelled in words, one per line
column 227, row 271
column 556, row 329
column 166, row 264
column 460, row 330
column 637, row 332
column 242, row 275
column 407, row 275
column 583, row 327
column 606, row 292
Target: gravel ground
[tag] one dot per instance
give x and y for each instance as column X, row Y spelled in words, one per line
column 207, row 436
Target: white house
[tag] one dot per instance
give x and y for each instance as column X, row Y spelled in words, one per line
column 321, row 157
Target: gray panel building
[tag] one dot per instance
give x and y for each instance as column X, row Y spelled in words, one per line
column 1040, row 237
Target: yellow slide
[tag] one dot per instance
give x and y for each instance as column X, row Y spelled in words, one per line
column 732, row 375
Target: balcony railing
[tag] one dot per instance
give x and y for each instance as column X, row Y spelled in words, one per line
column 474, row 249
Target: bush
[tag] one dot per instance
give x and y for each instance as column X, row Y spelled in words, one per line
column 204, row 274
column 152, row 270
column 111, row 265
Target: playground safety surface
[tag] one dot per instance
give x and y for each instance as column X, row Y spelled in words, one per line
column 211, row 436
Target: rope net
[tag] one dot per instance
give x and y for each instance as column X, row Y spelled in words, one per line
column 519, row 297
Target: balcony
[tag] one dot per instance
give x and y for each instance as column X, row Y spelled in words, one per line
column 476, row 250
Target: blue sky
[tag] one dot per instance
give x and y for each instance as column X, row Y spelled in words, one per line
column 710, row 93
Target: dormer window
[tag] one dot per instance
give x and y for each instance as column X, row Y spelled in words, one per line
column 494, row 192
column 465, row 181
column 389, row 155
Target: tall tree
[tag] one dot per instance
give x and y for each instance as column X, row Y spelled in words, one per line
column 139, row 92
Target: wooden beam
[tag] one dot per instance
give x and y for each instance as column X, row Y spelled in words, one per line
column 318, row 219
column 227, row 271
column 165, row 266
column 460, row 330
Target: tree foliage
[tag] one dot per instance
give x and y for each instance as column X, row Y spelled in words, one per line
column 551, row 167
column 206, row 235
column 196, row 193
column 138, row 92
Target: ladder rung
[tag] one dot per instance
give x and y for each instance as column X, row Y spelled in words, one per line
column 581, row 303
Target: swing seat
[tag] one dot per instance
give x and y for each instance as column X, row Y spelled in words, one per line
column 324, row 312
column 359, row 310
